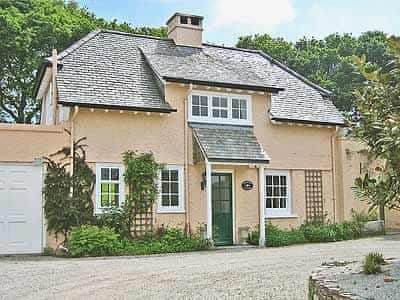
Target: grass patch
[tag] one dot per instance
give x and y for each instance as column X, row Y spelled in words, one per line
column 372, row 263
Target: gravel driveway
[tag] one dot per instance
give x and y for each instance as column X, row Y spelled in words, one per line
column 271, row 273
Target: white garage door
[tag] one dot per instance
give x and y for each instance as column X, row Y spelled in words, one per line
column 21, row 216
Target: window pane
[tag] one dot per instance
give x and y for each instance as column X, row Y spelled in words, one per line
column 269, row 203
column 195, row 100
column 114, row 200
column 165, row 175
column 283, row 203
column 275, row 202
column 204, row 111
column 203, row 101
column 174, row 175
column 243, row 104
column 104, row 200
column 215, row 101
column 224, row 102
column 104, row 187
column 283, row 191
column 113, row 188
column 196, row 111
column 224, row 114
column 114, row 174
column 276, row 191
column 283, row 180
column 276, row 180
column 174, row 200
column 243, row 114
column 215, row 113
column 235, row 114
column 269, row 191
column 235, row 103
column 174, row 188
column 165, row 200
column 105, row 173
column 165, row 188
column 269, row 180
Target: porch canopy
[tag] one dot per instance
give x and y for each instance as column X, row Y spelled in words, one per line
column 229, row 144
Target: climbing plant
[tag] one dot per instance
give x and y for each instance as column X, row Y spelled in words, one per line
column 141, row 172
column 68, row 197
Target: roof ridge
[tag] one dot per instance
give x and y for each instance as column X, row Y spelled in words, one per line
column 135, row 34
column 322, row 90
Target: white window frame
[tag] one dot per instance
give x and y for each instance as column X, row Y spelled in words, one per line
column 121, row 182
column 210, row 118
column 181, row 199
column 279, row 212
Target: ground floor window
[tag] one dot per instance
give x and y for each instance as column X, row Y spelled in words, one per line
column 277, row 193
column 171, row 189
column 110, row 191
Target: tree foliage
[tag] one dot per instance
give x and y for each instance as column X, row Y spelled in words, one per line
column 327, row 62
column 378, row 126
column 68, row 198
column 29, row 30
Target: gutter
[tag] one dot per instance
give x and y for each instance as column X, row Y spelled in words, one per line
column 72, row 141
column 186, row 157
column 119, row 107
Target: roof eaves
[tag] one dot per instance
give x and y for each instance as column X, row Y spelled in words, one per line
column 311, row 122
column 223, row 84
column 119, row 107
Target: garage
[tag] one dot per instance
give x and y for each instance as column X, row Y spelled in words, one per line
column 21, row 214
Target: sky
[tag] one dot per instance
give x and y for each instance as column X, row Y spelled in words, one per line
column 226, row 20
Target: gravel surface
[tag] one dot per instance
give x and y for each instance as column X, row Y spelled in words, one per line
column 270, row 273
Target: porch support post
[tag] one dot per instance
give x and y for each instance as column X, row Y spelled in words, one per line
column 261, row 189
column 209, row 203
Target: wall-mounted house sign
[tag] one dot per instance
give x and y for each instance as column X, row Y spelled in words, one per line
column 247, row 185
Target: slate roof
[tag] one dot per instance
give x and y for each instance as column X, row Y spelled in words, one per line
column 225, row 143
column 108, row 68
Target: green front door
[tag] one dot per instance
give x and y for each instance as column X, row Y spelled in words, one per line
column 222, row 208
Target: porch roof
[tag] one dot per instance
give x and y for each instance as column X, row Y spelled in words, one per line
column 230, row 144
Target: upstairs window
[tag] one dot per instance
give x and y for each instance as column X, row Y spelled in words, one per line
column 200, row 106
column 239, row 109
column 220, row 107
column 195, row 21
column 209, row 107
column 184, row 19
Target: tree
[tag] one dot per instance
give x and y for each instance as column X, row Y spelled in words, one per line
column 377, row 124
column 68, row 197
column 29, row 29
column 327, row 62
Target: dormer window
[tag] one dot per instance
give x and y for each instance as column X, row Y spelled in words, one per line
column 184, row 20
column 195, row 21
column 213, row 107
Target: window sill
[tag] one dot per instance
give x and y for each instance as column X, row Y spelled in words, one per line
column 178, row 211
column 282, row 217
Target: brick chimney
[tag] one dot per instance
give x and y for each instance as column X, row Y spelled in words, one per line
column 185, row 29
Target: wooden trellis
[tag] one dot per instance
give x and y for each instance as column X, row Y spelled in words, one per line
column 314, row 198
column 142, row 221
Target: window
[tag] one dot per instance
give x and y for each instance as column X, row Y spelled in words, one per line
column 214, row 107
column 171, row 190
column 195, row 21
column 277, row 194
column 200, row 106
column 109, row 186
column 219, row 107
column 239, row 109
column 184, row 19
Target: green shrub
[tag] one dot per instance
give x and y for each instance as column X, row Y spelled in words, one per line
column 363, row 217
column 277, row 237
column 372, row 263
column 253, row 237
column 94, row 241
